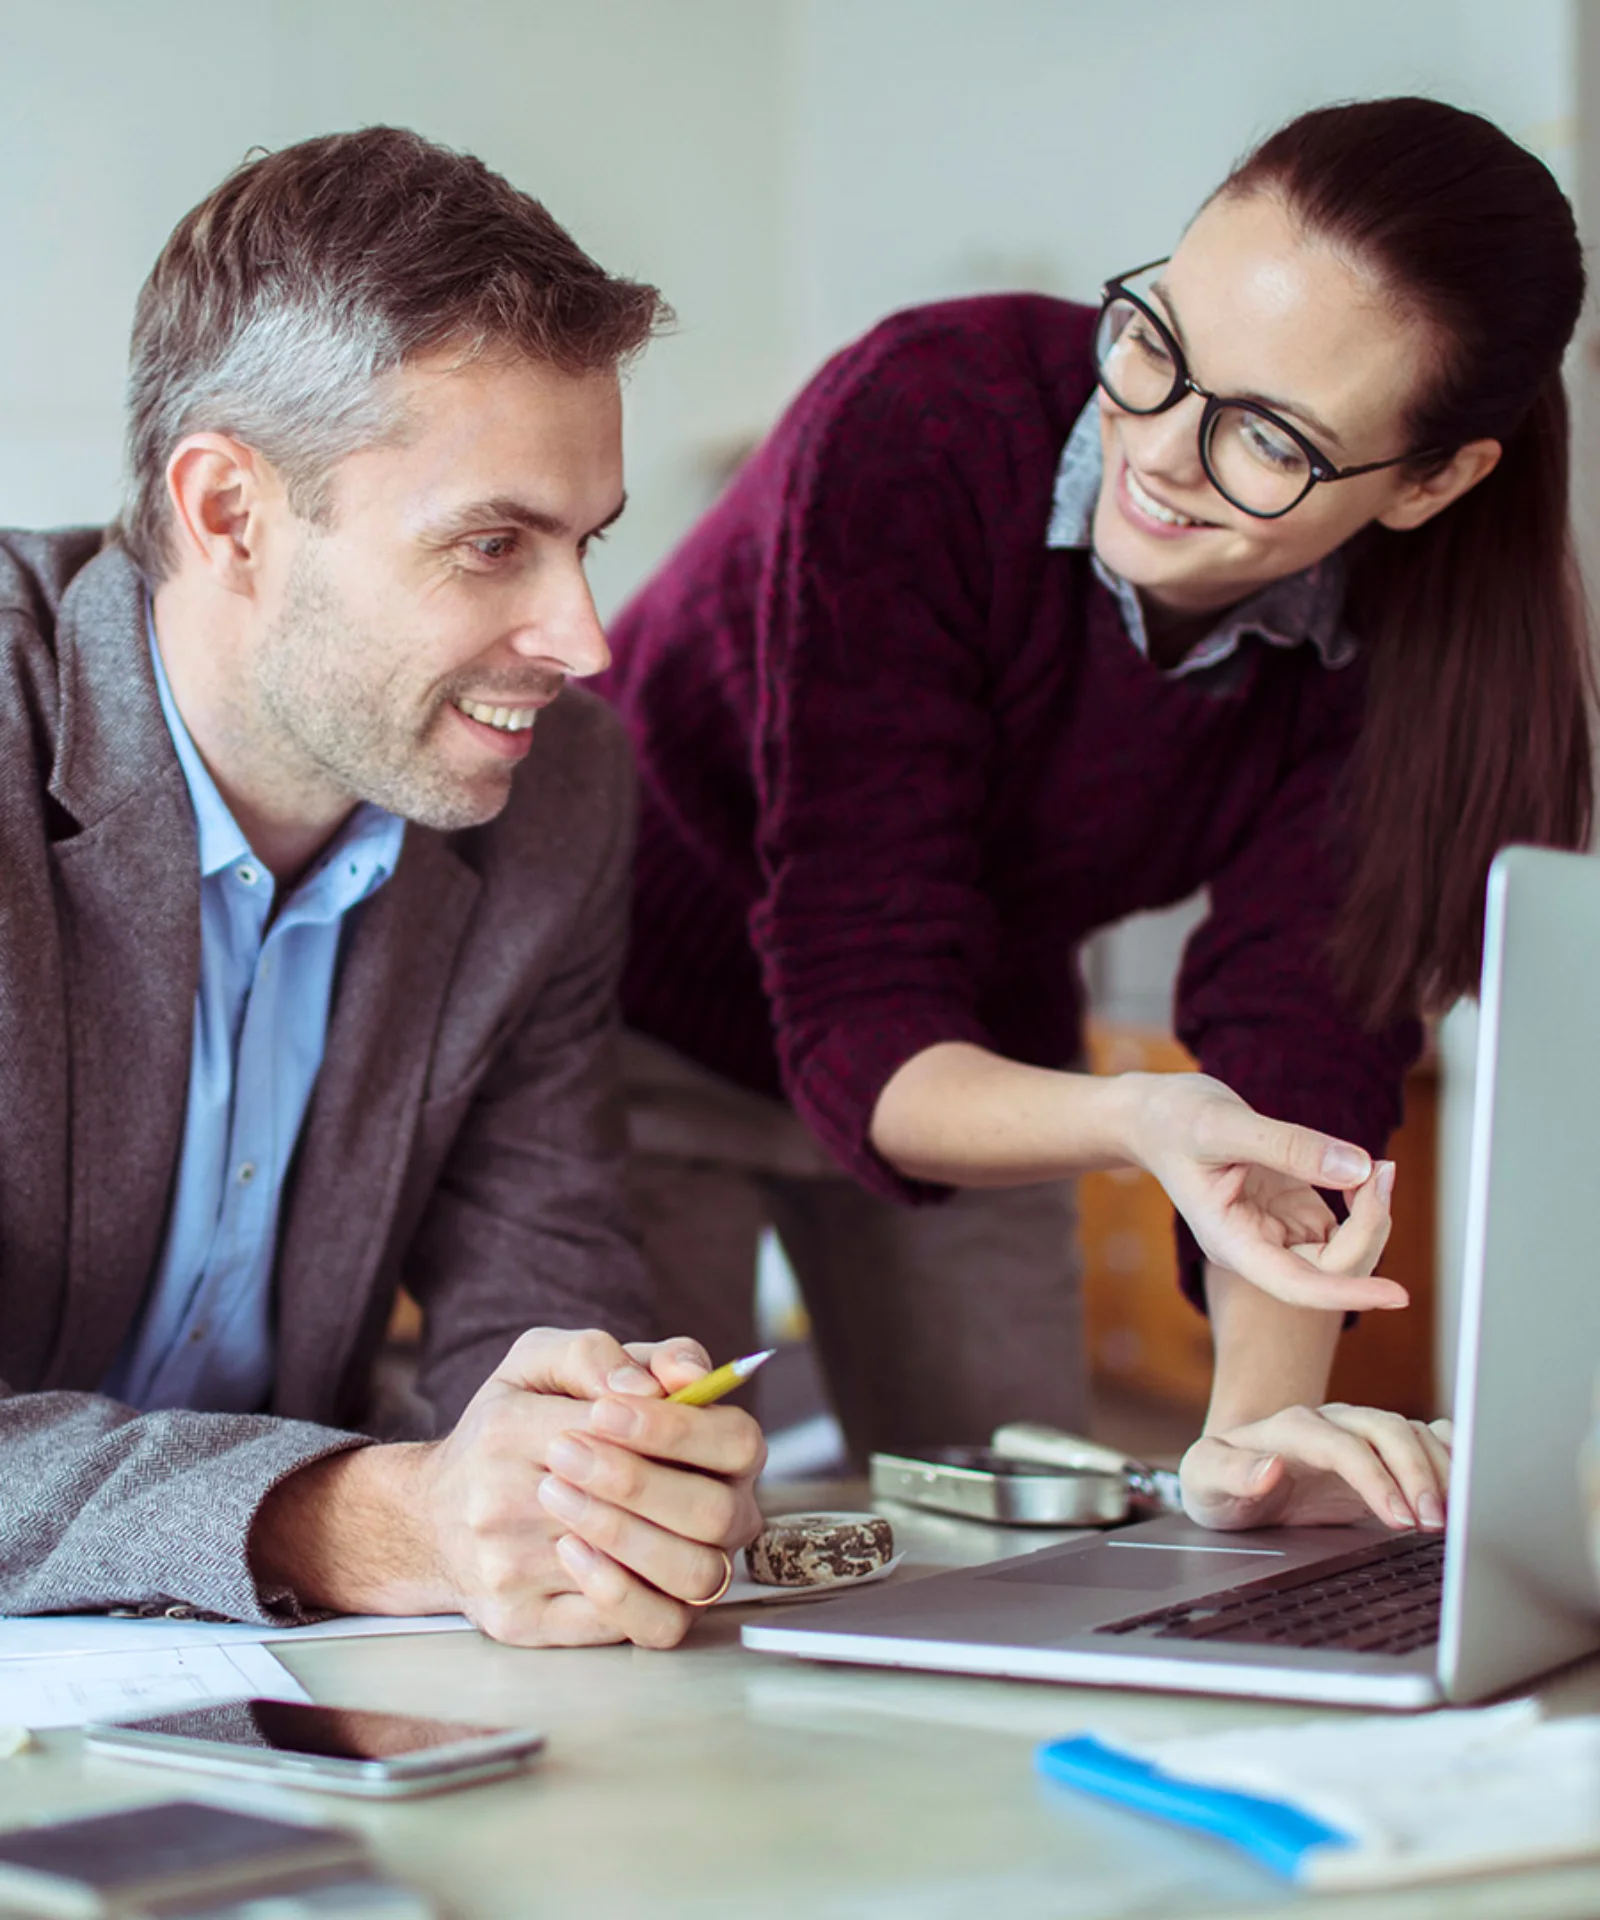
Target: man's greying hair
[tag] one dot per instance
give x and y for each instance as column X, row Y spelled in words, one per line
column 281, row 300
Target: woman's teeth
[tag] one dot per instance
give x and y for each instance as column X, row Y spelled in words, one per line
column 507, row 719
column 1154, row 508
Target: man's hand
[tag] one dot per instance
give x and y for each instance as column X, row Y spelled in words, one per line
column 1247, row 1186
column 655, row 1495
column 648, row 1499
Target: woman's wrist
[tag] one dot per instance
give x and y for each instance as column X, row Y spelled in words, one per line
column 1125, row 1117
column 1269, row 1355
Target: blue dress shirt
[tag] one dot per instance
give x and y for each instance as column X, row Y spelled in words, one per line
column 205, row 1337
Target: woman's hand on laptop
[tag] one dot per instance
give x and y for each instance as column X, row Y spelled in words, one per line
column 1319, row 1467
column 1326, row 1465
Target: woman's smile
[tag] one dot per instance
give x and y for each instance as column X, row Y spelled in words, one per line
column 1146, row 510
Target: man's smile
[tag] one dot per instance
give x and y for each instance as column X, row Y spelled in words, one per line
column 506, row 719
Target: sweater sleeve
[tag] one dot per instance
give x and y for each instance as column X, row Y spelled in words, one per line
column 1256, row 1003
column 872, row 740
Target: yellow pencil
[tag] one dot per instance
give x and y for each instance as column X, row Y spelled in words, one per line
column 712, row 1386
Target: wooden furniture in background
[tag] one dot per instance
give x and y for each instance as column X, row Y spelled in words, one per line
column 1143, row 1335
column 405, row 1322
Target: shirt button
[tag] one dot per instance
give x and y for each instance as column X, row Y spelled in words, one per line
column 247, row 1172
column 248, row 874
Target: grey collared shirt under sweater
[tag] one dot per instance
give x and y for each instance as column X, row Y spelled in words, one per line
column 1301, row 607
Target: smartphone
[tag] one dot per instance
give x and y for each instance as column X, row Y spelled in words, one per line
column 981, row 1484
column 169, row 1856
column 333, row 1749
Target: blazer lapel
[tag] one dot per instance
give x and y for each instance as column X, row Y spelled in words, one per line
column 128, row 899
column 347, row 1186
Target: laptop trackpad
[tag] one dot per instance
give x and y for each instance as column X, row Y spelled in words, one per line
column 1141, row 1569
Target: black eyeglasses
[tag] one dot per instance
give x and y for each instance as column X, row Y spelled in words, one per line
column 1255, row 459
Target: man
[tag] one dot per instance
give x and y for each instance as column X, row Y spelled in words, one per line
column 305, row 980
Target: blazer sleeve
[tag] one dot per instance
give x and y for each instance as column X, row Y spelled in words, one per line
column 100, row 1506
column 105, row 1507
column 527, row 1223
column 1256, row 1003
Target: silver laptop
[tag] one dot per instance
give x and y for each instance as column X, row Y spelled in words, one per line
column 1356, row 1615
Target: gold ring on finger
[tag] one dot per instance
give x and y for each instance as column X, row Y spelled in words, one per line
column 723, row 1585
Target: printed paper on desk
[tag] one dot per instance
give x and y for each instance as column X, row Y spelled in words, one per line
column 26, row 1637
column 65, row 1691
column 1455, row 1792
column 53, row 1635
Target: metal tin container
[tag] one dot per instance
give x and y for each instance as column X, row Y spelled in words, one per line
column 980, row 1484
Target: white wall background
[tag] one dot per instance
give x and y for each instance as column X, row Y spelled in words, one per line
column 648, row 128
column 940, row 149
column 787, row 170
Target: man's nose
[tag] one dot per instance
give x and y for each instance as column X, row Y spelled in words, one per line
column 564, row 627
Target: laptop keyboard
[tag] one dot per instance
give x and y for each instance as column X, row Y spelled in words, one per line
column 1383, row 1600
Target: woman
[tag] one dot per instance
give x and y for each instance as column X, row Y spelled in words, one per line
column 1026, row 618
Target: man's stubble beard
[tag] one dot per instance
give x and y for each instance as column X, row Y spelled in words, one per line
column 344, row 732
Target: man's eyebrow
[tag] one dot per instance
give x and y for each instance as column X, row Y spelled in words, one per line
column 505, row 509
column 1294, row 408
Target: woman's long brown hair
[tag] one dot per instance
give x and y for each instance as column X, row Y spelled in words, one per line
column 1476, row 731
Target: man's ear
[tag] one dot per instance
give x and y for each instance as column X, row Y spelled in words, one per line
column 219, row 490
column 1422, row 499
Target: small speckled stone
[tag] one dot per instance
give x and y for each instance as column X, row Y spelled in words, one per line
column 819, row 1549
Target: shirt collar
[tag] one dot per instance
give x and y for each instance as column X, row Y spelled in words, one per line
column 369, row 840
column 222, row 841
column 1306, row 606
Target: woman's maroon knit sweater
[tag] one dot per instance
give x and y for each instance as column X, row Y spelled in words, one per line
column 898, row 758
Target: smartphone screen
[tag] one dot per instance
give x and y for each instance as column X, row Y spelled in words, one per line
column 329, row 1733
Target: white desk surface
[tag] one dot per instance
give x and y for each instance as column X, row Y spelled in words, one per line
column 716, row 1783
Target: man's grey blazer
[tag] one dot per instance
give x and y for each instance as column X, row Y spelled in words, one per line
column 463, row 1137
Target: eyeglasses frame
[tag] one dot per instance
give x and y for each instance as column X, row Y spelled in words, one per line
column 1320, row 467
